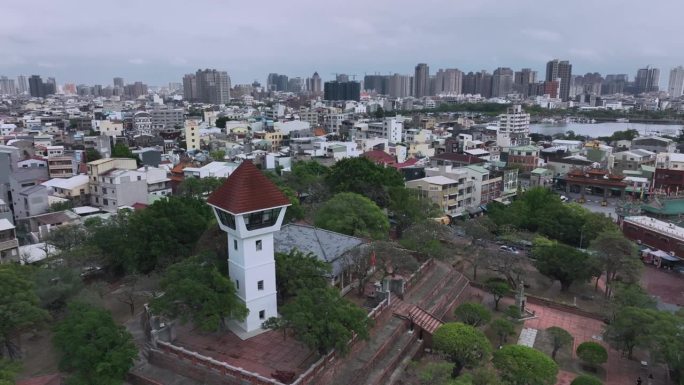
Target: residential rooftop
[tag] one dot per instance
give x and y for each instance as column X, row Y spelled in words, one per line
column 657, row 226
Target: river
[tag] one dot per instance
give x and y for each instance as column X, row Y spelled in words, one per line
column 605, row 129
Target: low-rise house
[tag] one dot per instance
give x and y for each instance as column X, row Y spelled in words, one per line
column 633, row 160
column 541, row 177
column 654, row 144
column 158, row 183
column 120, row 188
column 9, row 245
column 32, row 201
column 76, row 188
column 213, row 169
column 40, row 225
column 526, row 158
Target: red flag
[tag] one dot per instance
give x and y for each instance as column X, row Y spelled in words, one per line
column 372, row 259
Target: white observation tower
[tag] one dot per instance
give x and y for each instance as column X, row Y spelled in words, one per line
column 250, row 208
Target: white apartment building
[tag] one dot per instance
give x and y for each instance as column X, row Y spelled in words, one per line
column 118, row 188
column 158, row 184
column 670, row 161
column 462, row 193
column 391, row 128
column 333, row 122
column 142, row 123
column 108, row 127
column 192, row 139
column 514, row 128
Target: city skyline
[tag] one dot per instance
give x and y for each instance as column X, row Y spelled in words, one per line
column 139, row 41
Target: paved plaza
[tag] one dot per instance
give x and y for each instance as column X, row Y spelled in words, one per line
column 263, row 354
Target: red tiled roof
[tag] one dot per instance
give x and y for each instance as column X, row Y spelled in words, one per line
column 137, row 206
column 379, row 156
column 461, row 158
column 247, row 189
column 408, row 163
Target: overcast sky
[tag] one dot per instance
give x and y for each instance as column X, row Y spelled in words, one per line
column 157, row 41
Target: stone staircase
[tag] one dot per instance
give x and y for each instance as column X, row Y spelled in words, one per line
column 391, row 345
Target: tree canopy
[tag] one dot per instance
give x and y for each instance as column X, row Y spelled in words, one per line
column 121, row 150
column 563, row 263
column 8, row 371
column 322, row 320
column 559, row 338
column 353, row 214
column 362, row 176
column 540, row 210
column 498, row 288
column 617, row 257
column 94, row 348
column 592, row 353
column 296, row 271
column 503, row 328
column 195, row 290
column 19, row 306
column 473, row 314
column 522, row 365
column 463, row 344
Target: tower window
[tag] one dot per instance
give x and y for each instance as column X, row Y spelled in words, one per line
column 260, row 285
column 235, row 244
column 258, row 245
column 262, row 314
column 237, row 284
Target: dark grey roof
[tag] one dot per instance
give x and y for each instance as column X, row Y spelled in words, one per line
column 326, row 245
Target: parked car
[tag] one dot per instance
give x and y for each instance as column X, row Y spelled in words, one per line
column 508, row 249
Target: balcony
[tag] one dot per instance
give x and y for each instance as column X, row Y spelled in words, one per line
column 11, row 244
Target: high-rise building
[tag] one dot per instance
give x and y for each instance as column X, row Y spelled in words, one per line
column 514, row 128
column 135, row 90
column 523, row 80
column 342, row 91
column 342, row 78
column 399, row 86
column 377, row 83
column 675, row 87
column 614, row 84
column 502, row 82
column 314, row 84
column 190, row 87
column 561, row 71
column 296, row 85
column 421, row 80
column 647, row 80
column 483, row 84
column 448, row 81
column 276, row 82
column 213, row 86
column 22, row 84
column 7, row 86
column 469, row 83
column 36, row 86
column 50, row 86
column 118, row 82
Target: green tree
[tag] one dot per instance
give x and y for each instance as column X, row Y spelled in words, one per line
column 92, row 154
column 559, row 338
column 195, row 290
column 308, row 178
column 121, row 150
column 55, row 286
column 592, row 353
column 362, row 176
column 473, row 314
column 297, row 271
column 218, row 155
column 563, row 263
column 353, row 214
column 627, row 330
column 322, row 320
column 66, row 238
column 221, row 121
column 8, row 371
column 94, row 348
column 617, row 257
column 513, row 312
column 499, row 289
column 61, row 206
column 503, row 328
column 19, row 307
column 199, row 187
column 465, row 346
column 521, row 365
column 408, row 209
column 163, row 233
column 480, row 231
column 586, row 380
column 429, row 238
